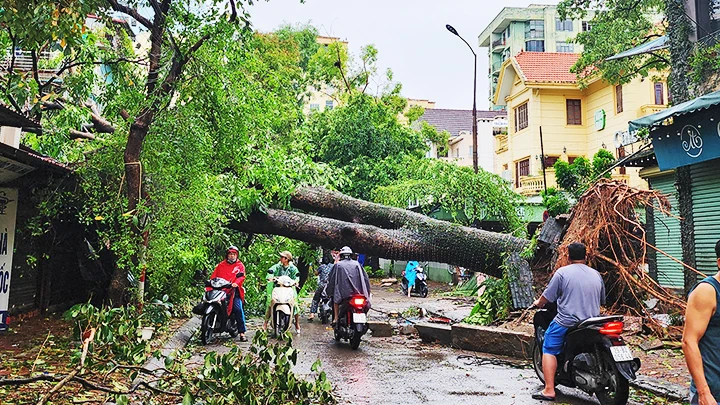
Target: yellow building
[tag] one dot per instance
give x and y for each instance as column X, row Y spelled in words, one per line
column 538, row 91
column 325, row 96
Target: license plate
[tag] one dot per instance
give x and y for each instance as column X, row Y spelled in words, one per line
column 359, row 318
column 621, row 353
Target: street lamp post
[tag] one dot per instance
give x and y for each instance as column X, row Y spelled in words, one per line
column 474, row 110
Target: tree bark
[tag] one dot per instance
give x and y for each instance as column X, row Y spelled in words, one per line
column 419, row 238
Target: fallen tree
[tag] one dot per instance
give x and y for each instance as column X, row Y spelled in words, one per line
column 333, row 219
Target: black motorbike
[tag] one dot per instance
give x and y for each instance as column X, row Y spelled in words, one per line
column 216, row 310
column 325, row 310
column 594, row 359
column 351, row 324
column 420, row 288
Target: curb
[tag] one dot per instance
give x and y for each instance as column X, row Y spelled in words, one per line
column 496, row 341
column 178, row 340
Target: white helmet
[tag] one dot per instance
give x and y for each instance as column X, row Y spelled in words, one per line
column 346, row 250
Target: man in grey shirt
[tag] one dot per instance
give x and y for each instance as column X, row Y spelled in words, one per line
column 579, row 291
column 346, row 279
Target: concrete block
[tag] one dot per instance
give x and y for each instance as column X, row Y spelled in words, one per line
column 492, row 340
column 380, row 329
column 435, row 332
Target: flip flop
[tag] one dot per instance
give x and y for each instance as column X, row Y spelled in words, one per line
column 541, row 397
column 243, row 338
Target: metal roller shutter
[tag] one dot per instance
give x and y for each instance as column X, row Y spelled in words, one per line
column 667, row 236
column 706, row 213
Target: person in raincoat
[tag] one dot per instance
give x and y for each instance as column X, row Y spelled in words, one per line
column 283, row 268
column 410, row 273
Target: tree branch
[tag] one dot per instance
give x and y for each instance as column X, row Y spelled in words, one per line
column 75, row 134
column 130, row 12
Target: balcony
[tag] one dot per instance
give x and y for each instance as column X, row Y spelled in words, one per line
column 501, row 42
column 24, row 63
column 501, row 143
column 533, row 185
column 496, row 66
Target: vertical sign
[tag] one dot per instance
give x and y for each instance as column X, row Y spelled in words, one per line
column 8, row 211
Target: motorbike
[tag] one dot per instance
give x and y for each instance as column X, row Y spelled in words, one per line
column 282, row 305
column 420, row 288
column 325, row 308
column 595, row 358
column 216, row 309
column 351, row 323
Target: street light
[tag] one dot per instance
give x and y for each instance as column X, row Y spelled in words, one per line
column 474, row 111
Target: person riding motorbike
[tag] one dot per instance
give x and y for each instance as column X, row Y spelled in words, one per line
column 410, row 273
column 347, row 278
column 284, row 267
column 233, row 270
column 579, row 291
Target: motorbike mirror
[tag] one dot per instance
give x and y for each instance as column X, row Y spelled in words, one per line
column 207, row 283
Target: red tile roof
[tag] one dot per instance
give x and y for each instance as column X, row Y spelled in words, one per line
column 549, row 67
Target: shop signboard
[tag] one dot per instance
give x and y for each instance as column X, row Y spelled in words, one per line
column 692, row 138
column 8, row 211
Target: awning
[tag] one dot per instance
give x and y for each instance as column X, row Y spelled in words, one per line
column 693, row 105
column 651, row 46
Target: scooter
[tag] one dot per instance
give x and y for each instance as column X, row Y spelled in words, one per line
column 420, row 288
column 594, row 359
column 282, row 304
column 325, row 308
column 351, row 322
column 216, row 309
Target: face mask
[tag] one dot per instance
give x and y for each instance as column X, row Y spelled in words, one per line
column 231, row 261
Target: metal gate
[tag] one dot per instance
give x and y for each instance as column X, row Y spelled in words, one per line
column 706, row 213
column 667, row 235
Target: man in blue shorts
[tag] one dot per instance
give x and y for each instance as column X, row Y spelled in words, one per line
column 579, row 291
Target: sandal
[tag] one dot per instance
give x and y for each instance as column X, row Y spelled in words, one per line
column 542, row 397
column 243, row 338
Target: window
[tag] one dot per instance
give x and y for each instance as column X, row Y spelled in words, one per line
column 563, row 25
column 328, row 104
column 618, row 99
column 586, row 26
column 521, row 117
column 535, row 29
column 574, row 112
column 708, row 17
column 470, row 151
column 562, row 46
column 659, row 99
column 314, row 107
column 535, row 46
column 550, row 161
column 457, row 152
column 522, row 168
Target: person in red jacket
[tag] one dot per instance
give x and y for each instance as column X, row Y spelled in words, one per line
column 233, row 270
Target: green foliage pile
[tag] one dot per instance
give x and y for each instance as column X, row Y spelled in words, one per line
column 555, row 201
column 494, row 303
column 467, row 196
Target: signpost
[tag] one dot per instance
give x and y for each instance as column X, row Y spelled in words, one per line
column 687, row 141
column 8, row 211
column 600, row 120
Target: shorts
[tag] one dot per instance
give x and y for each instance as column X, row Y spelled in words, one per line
column 554, row 339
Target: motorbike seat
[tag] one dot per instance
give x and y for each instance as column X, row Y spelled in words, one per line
column 598, row 320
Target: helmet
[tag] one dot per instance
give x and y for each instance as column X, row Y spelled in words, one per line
column 232, row 248
column 346, row 250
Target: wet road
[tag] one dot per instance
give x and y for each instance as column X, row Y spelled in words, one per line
column 402, row 369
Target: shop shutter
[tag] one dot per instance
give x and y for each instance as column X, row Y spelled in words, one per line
column 667, row 236
column 706, row 213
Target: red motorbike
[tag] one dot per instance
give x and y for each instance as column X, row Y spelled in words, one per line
column 352, row 321
column 216, row 310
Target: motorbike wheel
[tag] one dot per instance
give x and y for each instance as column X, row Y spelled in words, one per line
column 355, row 341
column 232, row 327
column 424, row 292
column 618, row 388
column 324, row 317
column 206, row 328
column 337, row 335
column 537, row 361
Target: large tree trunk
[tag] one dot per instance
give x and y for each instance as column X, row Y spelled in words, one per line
column 407, row 235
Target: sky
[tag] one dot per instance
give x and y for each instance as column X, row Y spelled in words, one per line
column 411, row 38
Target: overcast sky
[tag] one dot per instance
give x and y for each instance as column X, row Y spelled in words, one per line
column 410, row 36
